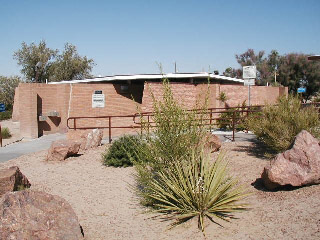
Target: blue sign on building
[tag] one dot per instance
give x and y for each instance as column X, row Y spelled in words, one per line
column 301, row 90
column 2, row 107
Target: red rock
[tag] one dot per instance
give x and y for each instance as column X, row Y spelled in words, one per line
column 298, row 166
column 12, row 179
column 212, row 142
column 37, row 215
column 62, row 149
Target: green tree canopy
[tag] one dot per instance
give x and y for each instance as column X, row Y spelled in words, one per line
column 35, row 60
column 293, row 70
column 40, row 63
column 7, row 89
column 70, row 65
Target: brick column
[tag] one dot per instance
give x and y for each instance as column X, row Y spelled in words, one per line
column 28, row 110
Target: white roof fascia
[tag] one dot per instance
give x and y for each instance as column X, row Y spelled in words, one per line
column 152, row 76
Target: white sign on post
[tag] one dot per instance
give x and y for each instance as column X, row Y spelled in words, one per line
column 249, row 72
column 98, row 101
column 249, row 82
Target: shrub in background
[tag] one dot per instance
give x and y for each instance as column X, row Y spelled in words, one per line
column 5, row 115
column 5, row 133
column 279, row 124
column 122, row 152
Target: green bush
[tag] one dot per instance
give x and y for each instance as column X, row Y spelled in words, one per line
column 5, row 115
column 5, row 133
column 173, row 167
column 279, row 124
column 122, row 152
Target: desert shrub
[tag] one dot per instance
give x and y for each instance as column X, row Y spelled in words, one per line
column 197, row 188
column 5, row 115
column 5, row 133
column 280, row 123
column 225, row 121
column 175, row 169
column 122, row 152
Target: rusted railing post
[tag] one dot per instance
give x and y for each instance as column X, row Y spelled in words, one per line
column 74, row 124
column 0, row 136
column 148, row 124
column 233, row 125
column 210, row 119
column 110, row 129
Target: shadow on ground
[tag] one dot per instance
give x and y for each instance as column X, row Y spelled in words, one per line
column 257, row 149
column 258, row 184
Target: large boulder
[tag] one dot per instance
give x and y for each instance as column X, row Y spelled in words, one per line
column 298, row 166
column 62, row 149
column 11, row 179
column 37, row 215
column 92, row 139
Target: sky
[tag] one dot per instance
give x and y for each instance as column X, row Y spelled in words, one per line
column 134, row 36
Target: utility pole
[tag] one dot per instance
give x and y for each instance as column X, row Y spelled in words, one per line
column 175, row 67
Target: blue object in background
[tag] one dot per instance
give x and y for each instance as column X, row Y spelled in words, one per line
column 2, row 107
column 301, row 90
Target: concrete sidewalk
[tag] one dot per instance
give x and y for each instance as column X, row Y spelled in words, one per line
column 18, row 149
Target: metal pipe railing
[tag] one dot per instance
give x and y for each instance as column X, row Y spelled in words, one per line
column 148, row 115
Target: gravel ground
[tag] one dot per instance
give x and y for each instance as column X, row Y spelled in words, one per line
column 107, row 209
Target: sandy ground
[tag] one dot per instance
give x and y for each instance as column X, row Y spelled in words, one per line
column 107, row 209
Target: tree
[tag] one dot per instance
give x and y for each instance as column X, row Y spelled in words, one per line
column 7, row 89
column 232, row 72
column 35, row 60
column 69, row 65
column 295, row 70
column 250, row 58
column 40, row 63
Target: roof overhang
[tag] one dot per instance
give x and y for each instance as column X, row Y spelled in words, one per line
column 203, row 75
column 315, row 57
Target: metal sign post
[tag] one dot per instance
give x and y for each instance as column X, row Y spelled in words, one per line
column 249, row 74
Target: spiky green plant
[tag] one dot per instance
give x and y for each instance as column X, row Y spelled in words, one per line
column 197, row 188
column 176, row 177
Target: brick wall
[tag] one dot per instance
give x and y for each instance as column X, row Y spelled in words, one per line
column 260, row 95
column 16, row 102
column 75, row 100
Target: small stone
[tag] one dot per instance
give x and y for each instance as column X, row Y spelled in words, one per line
column 92, row 139
column 212, row 142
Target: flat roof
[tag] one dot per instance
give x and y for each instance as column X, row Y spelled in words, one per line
column 202, row 75
column 315, row 57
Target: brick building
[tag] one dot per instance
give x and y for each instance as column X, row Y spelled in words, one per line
column 44, row 108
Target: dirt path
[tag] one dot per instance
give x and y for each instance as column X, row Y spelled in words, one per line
column 106, row 207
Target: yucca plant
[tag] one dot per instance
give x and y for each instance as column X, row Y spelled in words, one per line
column 198, row 188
